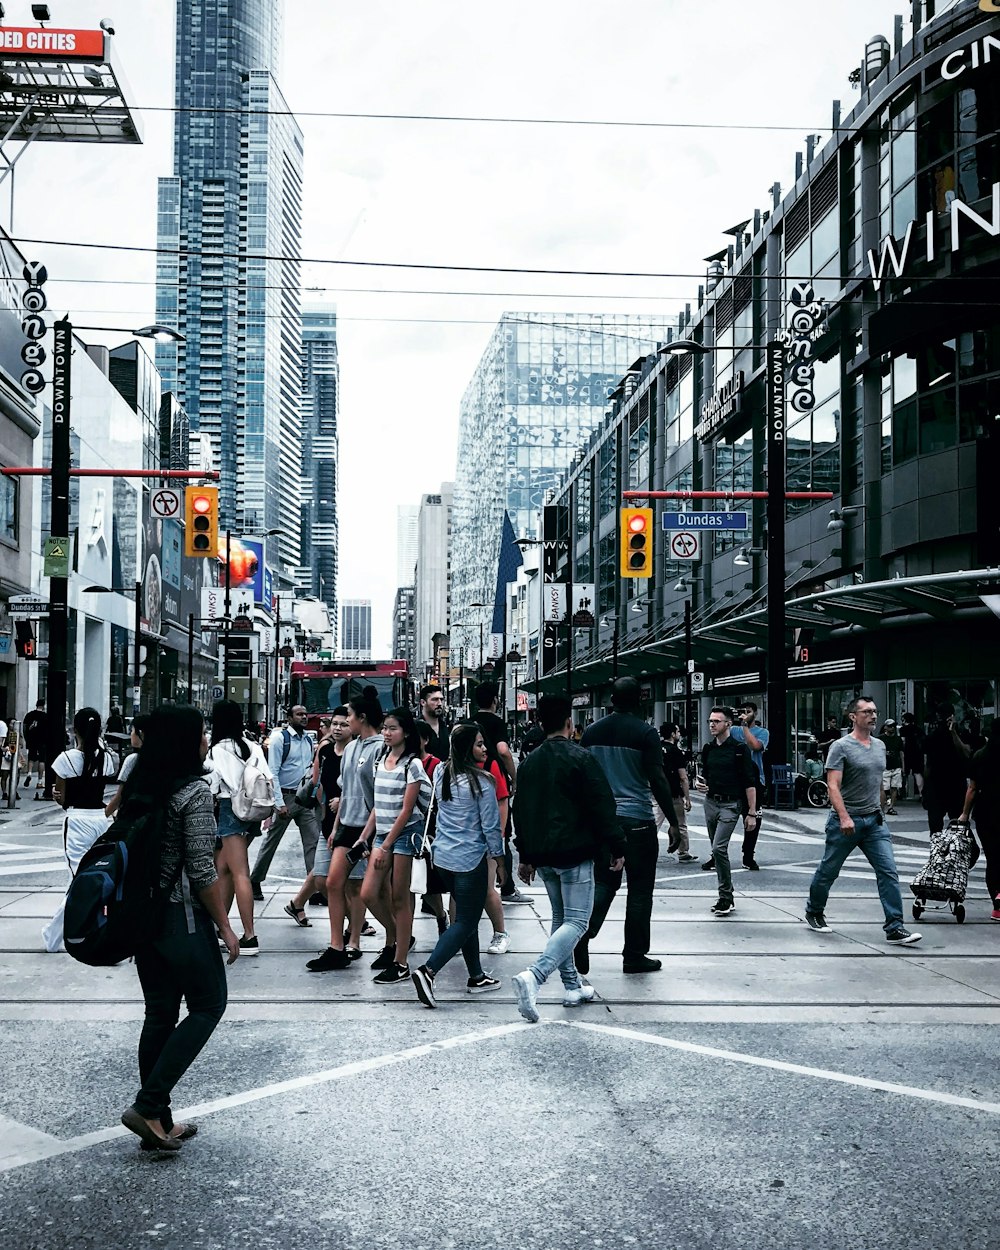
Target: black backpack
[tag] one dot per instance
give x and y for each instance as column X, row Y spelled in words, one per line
column 114, row 904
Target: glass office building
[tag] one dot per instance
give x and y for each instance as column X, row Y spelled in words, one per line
column 235, row 199
column 539, row 391
column 894, row 408
column 321, row 456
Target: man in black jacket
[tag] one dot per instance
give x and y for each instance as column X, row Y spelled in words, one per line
column 564, row 820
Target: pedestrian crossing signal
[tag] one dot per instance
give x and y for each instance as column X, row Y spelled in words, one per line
column 201, row 521
column 636, row 555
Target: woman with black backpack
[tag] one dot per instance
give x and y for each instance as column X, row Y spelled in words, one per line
column 81, row 775
column 183, row 960
column 229, row 755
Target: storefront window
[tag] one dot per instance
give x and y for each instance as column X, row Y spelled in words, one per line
column 958, row 148
column 8, row 509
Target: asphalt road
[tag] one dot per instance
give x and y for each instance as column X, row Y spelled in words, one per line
column 770, row 1088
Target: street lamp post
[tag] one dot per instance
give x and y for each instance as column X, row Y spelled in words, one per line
column 58, row 678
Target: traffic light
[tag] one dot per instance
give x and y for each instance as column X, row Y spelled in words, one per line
column 636, row 542
column 201, row 521
column 24, row 641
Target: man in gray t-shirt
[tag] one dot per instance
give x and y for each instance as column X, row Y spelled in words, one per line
column 854, row 768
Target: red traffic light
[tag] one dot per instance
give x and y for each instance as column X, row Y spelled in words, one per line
column 637, row 523
column 201, row 503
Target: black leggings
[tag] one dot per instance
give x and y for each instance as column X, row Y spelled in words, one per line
column 177, row 965
column 988, row 831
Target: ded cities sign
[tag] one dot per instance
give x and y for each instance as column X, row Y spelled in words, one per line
column 36, row 43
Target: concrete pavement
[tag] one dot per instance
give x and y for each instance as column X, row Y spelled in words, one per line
column 771, row 1087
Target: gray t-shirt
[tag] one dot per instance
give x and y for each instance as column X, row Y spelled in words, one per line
column 861, row 769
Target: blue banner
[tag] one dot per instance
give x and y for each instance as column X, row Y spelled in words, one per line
column 510, row 561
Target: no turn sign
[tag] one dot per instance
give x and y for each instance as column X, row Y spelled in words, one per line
column 685, row 545
column 165, row 504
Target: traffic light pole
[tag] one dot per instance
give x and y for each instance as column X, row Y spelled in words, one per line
column 225, row 650
column 191, row 658
column 138, row 653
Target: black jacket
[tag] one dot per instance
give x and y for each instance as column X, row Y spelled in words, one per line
column 564, row 810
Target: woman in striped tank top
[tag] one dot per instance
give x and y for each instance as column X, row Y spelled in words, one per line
column 402, row 794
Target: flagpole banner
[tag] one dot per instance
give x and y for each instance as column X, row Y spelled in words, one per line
column 510, row 561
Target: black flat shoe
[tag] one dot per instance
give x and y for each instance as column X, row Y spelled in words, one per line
column 134, row 1122
column 186, row 1133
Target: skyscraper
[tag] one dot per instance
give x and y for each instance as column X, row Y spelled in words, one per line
column 320, row 455
column 406, row 542
column 432, row 590
column 356, row 629
column 540, row 389
column 229, row 234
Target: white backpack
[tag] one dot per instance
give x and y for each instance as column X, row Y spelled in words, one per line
column 254, row 798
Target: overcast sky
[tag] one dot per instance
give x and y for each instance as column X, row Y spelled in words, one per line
column 466, row 193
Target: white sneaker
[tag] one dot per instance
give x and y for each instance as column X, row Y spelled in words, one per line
column 583, row 993
column 500, row 944
column 526, row 991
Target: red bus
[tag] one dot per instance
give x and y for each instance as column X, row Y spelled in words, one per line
column 321, row 685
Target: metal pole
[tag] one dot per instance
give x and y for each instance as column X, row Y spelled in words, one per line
column 688, row 666
column 777, row 672
column 569, row 648
column 62, row 350
column 138, row 656
column 191, row 658
column 277, row 654
column 614, row 656
column 225, row 635
column 461, row 680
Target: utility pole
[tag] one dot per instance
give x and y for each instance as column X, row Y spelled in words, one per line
column 688, row 666
column 191, row 658
column 62, row 350
column 225, row 635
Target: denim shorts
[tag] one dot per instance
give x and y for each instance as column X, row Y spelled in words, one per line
column 324, row 857
column 403, row 844
column 229, row 825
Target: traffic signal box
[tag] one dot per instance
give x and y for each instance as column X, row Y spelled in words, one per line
column 24, row 642
column 636, row 542
column 201, row 521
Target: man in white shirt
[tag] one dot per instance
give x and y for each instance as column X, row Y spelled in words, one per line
column 290, row 752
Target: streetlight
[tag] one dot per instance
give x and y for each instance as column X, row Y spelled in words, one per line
column 777, row 673
column 59, row 527
column 604, row 623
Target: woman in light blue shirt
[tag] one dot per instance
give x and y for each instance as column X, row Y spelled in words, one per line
column 468, row 838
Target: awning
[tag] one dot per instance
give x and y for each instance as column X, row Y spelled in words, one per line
column 740, row 629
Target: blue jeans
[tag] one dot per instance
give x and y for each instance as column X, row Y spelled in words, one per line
column 571, row 893
column 468, row 889
column 872, row 837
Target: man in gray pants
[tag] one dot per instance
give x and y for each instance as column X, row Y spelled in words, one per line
column 729, row 784
column 290, row 754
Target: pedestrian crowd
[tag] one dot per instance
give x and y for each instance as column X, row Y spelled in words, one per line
column 392, row 809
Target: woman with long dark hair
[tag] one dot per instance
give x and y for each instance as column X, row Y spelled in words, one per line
column 982, row 800
column 346, row 843
column 81, row 775
column 230, row 753
column 402, row 794
column 468, row 847
column 183, row 961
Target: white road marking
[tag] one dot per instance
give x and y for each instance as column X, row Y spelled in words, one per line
column 16, row 870
column 779, row 1065
column 15, row 1138
column 51, row 1147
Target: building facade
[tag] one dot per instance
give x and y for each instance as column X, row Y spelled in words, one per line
column 403, row 626
column 356, row 629
column 20, row 426
column 406, row 543
column 538, row 392
column 432, row 587
column 229, row 234
column 320, row 538
column 871, row 274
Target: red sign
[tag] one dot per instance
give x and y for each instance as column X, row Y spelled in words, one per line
column 36, row 44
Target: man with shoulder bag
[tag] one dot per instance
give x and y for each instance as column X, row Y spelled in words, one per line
column 290, row 753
